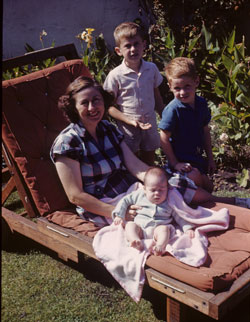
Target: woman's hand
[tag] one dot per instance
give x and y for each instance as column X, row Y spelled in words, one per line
column 132, row 212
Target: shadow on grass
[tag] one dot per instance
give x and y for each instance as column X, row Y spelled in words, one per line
column 92, row 269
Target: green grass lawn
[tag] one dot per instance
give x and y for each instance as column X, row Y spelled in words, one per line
column 36, row 287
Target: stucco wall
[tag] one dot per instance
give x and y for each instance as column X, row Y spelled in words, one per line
column 23, row 20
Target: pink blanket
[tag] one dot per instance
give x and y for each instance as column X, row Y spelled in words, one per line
column 126, row 264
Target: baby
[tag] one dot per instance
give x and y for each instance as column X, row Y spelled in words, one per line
column 154, row 216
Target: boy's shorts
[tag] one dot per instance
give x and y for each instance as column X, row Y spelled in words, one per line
column 138, row 139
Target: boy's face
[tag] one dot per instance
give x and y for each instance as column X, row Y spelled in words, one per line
column 184, row 89
column 131, row 49
column 156, row 189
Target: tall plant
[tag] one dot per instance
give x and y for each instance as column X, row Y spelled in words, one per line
column 96, row 55
column 227, row 83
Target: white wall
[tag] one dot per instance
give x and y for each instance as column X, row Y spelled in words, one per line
column 23, row 20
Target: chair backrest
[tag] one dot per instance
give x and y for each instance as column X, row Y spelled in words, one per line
column 31, row 122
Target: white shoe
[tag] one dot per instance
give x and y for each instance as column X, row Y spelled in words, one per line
column 243, row 202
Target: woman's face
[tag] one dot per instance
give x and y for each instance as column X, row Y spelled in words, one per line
column 90, row 106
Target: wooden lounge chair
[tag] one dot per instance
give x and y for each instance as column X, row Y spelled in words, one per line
column 31, row 121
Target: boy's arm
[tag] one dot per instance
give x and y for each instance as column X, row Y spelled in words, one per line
column 208, row 149
column 159, row 105
column 168, row 150
column 167, row 147
column 111, row 85
column 118, row 115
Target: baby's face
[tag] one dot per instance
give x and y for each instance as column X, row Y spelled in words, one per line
column 156, row 189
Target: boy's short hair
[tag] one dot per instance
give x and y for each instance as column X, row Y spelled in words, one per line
column 179, row 67
column 128, row 30
column 155, row 171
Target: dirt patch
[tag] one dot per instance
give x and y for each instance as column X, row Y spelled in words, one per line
column 226, row 179
column 226, row 175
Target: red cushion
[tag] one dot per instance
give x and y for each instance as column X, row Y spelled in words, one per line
column 31, row 122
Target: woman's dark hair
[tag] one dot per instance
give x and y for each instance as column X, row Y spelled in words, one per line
column 67, row 102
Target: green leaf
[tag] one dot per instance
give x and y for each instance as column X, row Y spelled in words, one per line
column 217, row 117
column 231, row 40
column 28, row 48
column 208, row 37
column 243, row 100
column 240, row 48
column 192, row 43
column 237, row 136
column 228, row 62
column 244, row 178
column 235, row 71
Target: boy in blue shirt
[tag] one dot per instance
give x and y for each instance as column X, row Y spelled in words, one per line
column 185, row 133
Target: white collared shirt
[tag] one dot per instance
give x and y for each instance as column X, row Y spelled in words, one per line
column 134, row 92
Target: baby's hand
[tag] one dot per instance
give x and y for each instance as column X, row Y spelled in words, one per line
column 118, row 221
column 144, row 126
column 190, row 232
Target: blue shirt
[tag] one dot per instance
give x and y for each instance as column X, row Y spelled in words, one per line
column 186, row 125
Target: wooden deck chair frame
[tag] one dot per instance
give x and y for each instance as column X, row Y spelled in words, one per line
column 68, row 244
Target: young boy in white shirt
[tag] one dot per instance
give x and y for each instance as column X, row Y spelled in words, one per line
column 135, row 84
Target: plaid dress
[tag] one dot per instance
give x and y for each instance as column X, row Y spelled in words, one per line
column 102, row 164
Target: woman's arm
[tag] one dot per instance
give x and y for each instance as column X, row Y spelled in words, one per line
column 134, row 165
column 70, row 176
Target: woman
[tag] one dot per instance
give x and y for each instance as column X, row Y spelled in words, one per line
column 92, row 159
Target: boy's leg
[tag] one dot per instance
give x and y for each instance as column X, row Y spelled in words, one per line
column 207, row 183
column 161, row 236
column 133, row 234
column 148, row 157
column 201, row 180
column 202, row 195
column 193, row 194
column 197, row 195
